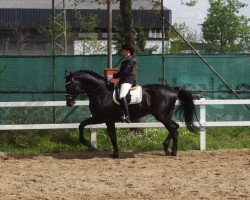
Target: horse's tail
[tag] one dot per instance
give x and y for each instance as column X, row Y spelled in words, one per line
column 186, row 108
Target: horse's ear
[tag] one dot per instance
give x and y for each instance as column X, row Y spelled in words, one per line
column 66, row 72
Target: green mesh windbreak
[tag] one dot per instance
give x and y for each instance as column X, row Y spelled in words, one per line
column 25, row 74
column 35, row 79
column 193, row 74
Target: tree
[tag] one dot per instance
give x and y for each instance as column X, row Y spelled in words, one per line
column 189, row 3
column 18, row 35
column 140, row 45
column 119, row 34
column 127, row 31
column 126, row 16
column 177, row 43
column 88, row 26
column 223, row 30
column 48, row 33
column 140, row 39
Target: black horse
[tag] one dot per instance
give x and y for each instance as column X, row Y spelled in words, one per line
column 158, row 100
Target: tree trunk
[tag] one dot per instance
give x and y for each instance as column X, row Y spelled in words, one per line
column 127, row 22
column 129, row 35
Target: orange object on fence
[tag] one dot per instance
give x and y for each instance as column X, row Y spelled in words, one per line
column 111, row 72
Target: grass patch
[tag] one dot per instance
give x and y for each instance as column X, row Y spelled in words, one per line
column 227, row 138
column 41, row 141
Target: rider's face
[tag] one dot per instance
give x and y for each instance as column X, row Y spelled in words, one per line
column 125, row 53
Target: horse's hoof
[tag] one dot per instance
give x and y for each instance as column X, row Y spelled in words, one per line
column 173, row 153
column 167, row 151
column 115, row 155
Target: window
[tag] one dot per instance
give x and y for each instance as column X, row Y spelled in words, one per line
column 155, row 34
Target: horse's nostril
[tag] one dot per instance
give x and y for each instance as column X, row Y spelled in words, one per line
column 68, row 104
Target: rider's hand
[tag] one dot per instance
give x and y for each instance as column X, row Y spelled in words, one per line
column 110, row 77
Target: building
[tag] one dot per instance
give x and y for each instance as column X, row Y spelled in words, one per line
column 20, row 21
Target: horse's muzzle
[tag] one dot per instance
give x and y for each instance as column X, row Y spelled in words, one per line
column 70, row 103
column 70, row 100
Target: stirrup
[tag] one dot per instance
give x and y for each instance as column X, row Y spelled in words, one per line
column 126, row 119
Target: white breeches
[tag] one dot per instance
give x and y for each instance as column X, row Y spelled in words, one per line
column 124, row 89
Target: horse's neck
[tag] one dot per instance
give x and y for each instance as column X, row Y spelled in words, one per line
column 91, row 86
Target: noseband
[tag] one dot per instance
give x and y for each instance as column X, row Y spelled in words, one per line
column 71, row 96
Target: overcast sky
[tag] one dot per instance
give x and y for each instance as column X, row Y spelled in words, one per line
column 193, row 16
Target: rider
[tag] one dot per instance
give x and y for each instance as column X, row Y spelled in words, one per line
column 128, row 77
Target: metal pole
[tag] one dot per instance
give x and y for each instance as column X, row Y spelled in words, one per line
column 65, row 29
column 163, row 46
column 53, row 55
column 53, row 27
column 109, row 34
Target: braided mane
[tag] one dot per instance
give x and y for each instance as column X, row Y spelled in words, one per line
column 91, row 73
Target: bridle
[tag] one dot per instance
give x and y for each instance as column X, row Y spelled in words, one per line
column 75, row 94
column 69, row 96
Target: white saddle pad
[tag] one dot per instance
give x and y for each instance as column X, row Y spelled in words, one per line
column 136, row 96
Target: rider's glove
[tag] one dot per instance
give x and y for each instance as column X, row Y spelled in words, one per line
column 110, row 77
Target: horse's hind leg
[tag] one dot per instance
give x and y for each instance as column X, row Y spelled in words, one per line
column 175, row 143
column 166, row 144
column 172, row 128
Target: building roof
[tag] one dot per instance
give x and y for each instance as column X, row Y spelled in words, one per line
column 72, row 4
column 35, row 13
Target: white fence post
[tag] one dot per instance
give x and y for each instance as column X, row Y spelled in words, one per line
column 93, row 138
column 202, row 122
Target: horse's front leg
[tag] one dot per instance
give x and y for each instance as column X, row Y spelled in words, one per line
column 112, row 134
column 84, row 123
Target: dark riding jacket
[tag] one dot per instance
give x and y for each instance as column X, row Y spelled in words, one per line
column 127, row 72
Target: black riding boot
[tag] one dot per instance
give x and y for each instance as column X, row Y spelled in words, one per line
column 124, row 105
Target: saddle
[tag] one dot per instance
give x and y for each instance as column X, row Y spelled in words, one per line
column 134, row 95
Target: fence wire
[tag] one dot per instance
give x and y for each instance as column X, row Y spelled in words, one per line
column 80, row 26
column 27, row 67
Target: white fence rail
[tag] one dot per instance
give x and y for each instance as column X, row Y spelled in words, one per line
column 202, row 103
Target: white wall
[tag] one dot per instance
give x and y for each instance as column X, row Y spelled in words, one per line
column 101, row 47
column 82, row 47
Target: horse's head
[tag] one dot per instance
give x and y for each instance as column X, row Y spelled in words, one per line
column 91, row 83
column 73, row 89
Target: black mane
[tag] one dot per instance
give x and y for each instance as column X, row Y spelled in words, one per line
column 91, row 73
